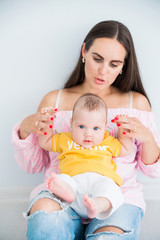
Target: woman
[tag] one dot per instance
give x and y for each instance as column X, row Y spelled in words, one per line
column 108, row 67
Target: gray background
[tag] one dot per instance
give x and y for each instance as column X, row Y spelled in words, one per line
column 39, row 45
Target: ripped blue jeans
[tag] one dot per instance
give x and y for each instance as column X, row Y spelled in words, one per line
column 67, row 225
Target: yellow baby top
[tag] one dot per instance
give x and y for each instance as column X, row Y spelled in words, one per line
column 74, row 159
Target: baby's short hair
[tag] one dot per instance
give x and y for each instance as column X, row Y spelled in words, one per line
column 90, row 102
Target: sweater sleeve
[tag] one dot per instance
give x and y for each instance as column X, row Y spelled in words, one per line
column 152, row 170
column 28, row 154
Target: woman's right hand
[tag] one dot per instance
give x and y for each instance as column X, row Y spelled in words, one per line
column 36, row 122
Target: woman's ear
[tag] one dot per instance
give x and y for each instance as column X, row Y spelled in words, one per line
column 83, row 50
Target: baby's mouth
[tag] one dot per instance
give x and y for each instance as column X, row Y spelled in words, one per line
column 87, row 141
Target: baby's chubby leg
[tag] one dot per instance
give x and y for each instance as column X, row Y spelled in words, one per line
column 96, row 205
column 60, row 188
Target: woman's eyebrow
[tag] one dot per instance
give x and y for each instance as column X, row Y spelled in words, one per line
column 118, row 61
column 98, row 55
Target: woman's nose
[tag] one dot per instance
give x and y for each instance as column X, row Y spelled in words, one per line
column 103, row 69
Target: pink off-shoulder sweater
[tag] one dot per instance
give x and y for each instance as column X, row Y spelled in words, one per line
column 32, row 159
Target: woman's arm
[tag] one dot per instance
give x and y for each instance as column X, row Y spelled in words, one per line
column 144, row 132
column 150, row 150
column 29, row 155
column 136, row 129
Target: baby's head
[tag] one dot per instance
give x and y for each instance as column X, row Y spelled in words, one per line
column 89, row 120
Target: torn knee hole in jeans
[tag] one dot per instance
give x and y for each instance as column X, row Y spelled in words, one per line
column 112, row 229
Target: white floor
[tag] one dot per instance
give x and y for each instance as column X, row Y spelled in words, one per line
column 150, row 229
column 13, row 226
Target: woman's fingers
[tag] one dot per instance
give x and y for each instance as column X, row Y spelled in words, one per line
column 44, row 120
column 128, row 127
column 44, row 124
column 49, row 110
column 127, row 124
column 36, row 122
column 132, row 127
column 124, row 121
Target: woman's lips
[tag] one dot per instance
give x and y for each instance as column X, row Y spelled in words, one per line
column 100, row 81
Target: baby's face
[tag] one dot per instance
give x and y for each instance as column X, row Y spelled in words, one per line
column 88, row 127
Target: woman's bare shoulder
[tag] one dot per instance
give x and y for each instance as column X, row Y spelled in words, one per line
column 49, row 100
column 66, row 101
column 69, row 97
column 140, row 102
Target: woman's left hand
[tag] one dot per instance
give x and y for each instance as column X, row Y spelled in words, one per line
column 132, row 128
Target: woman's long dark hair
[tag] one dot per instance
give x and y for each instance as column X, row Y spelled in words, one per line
column 130, row 79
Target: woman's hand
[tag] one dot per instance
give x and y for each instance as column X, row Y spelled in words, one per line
column 35, row 123
column 133, row 128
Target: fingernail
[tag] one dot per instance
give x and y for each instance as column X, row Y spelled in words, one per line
column 50, row 126
column 118, row 124
column 51, row 118
column 116, row 118
column 45, row 133
column 124, row 133
column 112, row 120
column 55, row 109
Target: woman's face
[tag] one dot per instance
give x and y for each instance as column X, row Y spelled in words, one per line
column 103, row 62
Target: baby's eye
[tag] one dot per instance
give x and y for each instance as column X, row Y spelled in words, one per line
column 96, row 128
column 81, row 126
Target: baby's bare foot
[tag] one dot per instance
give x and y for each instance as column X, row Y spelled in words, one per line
column 91, row 206
column 60, row 188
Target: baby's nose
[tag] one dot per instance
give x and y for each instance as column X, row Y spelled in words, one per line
column 88, row 132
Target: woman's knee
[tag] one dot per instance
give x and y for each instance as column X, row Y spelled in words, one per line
column 47, row 220
column 43, row 224
column 46, row 204
column 109, row 229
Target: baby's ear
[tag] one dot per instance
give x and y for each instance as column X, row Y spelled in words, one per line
column 71, row 123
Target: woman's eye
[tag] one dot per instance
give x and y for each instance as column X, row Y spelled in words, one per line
column 97, row 59
column 96, row 128
column 113, row 65
column 81, row 126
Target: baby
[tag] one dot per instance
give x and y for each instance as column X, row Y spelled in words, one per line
column 88, row 178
